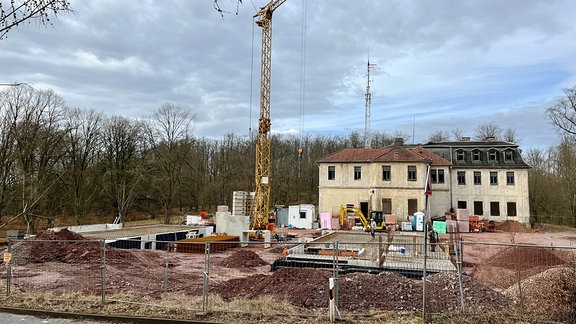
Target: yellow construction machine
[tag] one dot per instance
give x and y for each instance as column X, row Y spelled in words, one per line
column 356, row 213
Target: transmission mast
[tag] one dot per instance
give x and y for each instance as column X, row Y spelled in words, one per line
column 367, row 135
column 260, row 207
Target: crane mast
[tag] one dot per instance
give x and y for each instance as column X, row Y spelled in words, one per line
column 261, row 204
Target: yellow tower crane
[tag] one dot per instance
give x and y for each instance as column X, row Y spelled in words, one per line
column 261, row 204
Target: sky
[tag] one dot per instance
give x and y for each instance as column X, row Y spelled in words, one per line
column 439, row 65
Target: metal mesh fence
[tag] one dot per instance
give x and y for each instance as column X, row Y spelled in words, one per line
column 380, row 275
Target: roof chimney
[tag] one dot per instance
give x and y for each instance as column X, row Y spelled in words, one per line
column 465, row 138
column 398, row 141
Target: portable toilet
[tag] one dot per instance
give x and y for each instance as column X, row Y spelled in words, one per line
column 418, row 221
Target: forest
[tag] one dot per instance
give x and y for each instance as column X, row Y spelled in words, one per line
column 69, row 163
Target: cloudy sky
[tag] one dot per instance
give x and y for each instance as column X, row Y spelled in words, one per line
column 439, row 65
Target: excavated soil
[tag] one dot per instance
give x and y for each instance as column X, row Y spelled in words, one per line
column 242, row 259
column 361, row 292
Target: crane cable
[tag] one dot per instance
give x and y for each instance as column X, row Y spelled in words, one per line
column 302, row 84
column 251, row 80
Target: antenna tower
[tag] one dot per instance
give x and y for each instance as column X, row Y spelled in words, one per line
column 367, row 137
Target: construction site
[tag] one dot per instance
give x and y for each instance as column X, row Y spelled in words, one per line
column 358, row 262
column 376, row 275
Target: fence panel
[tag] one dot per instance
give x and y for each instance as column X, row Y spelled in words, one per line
column 539, row 280
column 56, row 266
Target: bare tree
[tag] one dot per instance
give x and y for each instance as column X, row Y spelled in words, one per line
column 36, row 120
column 565, row 171
column 168, row 135
column 439, row 136
column 82, row 144
column 7, row 147
column 563, row 112
column 456, row 134
column 121, row 162
column 14, row 12
column 488, row 130
column 510, row 135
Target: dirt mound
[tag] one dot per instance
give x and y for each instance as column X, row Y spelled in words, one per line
column 513, row 263
column 512, row 226
column 65, row 246
column 552, row 292
column 63, row 234
column 361, row 291
column 243, row 259
column 524, row 257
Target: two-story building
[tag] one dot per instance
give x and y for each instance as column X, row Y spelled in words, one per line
column 488, row 178
column 389, row 179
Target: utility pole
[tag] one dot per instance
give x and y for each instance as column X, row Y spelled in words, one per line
column 367, row 135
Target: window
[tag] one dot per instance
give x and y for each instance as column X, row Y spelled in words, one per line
column 331, row 172
column 437, row 175
column 478, row 208
column 510, row 178
column 492, row 155
column 411, row 173
column 387, row 205
column 477, row 178
column 461, row 204
column 493, row 178
column 461, row 176
column 386, row 175
column 511, row 208
column 302, row 215
column 476, row 156
column 508, row 155
column 494, row 208
column 357, row 173
column 412, row 206
column 460, row 155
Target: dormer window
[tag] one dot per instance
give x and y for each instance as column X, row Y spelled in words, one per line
column 460, row 155
column 508, row 155
column 492, row 155
column 476, row 156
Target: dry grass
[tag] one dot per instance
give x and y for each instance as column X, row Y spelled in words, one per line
column 265, row 309
column 185, row 307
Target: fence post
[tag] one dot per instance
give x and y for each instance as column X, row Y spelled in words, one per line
column 103, row 270
column 334, row 312
column 9, row 269
column 206, row 277
column 166, row 278
column 459, row 260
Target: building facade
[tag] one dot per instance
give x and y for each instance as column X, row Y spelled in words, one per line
column 388, row 179
column 488, row 178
